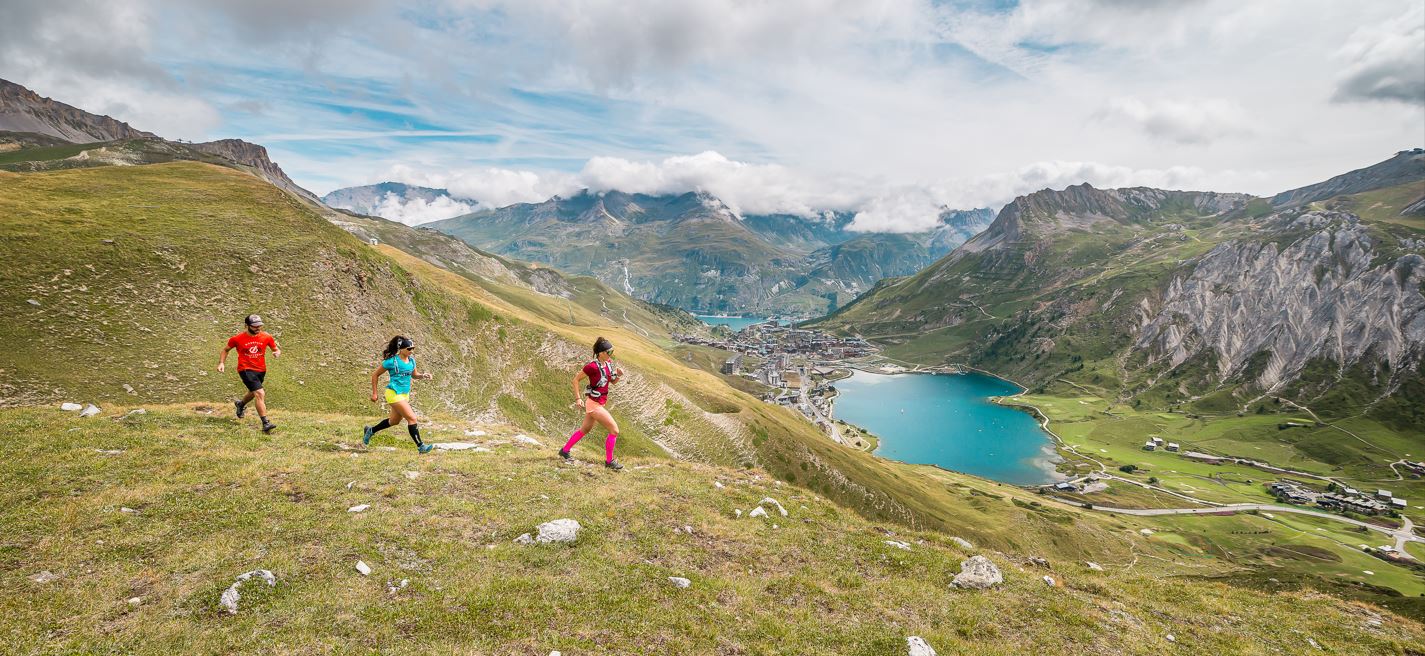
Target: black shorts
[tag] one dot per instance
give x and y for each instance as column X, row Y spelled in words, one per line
column 252, row 379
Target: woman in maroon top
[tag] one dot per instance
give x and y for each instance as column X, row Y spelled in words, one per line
column 595, row 379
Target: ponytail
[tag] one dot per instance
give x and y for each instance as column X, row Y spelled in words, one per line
column 394, row 345
column 600, row 345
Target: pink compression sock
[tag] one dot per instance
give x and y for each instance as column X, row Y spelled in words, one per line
column 574, row 439
column 609, row 447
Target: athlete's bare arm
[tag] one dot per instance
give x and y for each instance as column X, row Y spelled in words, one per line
column 578, row 382
column 223, row 357
column 421, row 375
column 375, row 382
column 276, row 350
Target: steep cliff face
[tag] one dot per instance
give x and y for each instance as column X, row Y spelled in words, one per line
column 1315, row 286
column 22, row 110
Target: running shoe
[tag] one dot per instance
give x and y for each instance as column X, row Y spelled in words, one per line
column 268, row 427
column 565, row 455
column 613, row 464
column 425, row 448
column 366, row 434
column 241, row 409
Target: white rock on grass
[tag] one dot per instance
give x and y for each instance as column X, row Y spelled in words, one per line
column 964, row 544
column 679, row 582
column 738, row 512
column 759, row 511
column 457, row 446
column 474, row 433
column 1049, row 581
column 412, row 475
column 917, row 646
column 718, row 485
column 109, row 452
column 524, row 539
column 70, row 407
column 135, row 601
column 1146, row 531
column 135, row 412
column 770, row 500
column 392, row 587
column 230, row 597
column 43, row 577
column 359, row 508
column 127, row 510
column 362, row 567
column 979, row 573
column 89, row 410
column 1094, row 566
column 525, row 439
column 899, row 545
column 559, row 530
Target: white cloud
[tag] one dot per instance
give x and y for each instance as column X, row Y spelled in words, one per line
column 1199, row 121
column 95, row 55
column 747, row 188
column 416, row 211
column 1386, row 61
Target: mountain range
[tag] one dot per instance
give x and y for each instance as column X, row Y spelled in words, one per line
column 692, row 251
column 1200, row 299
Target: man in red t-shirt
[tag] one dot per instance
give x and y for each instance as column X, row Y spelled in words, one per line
column 252, row 348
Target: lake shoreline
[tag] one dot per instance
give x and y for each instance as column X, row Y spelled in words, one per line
column 1047, row 458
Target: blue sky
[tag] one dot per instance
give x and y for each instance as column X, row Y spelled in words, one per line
column 891, row 108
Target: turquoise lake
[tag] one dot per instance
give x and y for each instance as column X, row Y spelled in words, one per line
column 735, row 323
column 949, row 421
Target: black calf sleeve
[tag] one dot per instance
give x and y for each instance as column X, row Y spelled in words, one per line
column 415, row 432
column 385, row 423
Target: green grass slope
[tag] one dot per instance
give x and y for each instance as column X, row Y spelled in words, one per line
column 166, row 508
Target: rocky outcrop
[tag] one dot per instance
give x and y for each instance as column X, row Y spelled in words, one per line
column 1315, row 287
column 978, row 573
column 22, row 110
column 255, row 157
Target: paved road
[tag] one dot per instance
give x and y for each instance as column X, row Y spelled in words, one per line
column 1402, row 535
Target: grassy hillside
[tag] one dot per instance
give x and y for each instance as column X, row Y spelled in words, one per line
column 138, row 274
column 137, row 562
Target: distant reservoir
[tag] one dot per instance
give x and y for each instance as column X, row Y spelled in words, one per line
column 735, row 323
column 949, row 421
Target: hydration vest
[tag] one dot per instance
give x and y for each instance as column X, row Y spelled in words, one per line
column 606, row 375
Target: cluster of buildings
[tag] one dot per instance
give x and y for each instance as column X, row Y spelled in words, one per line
column 794, row 362
column 1340, row 499
column 1153, row 444
column 769, row 339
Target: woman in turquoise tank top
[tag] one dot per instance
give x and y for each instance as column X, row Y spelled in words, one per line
column 399, row 363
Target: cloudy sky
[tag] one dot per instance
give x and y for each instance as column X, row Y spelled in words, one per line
column 890, row 108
